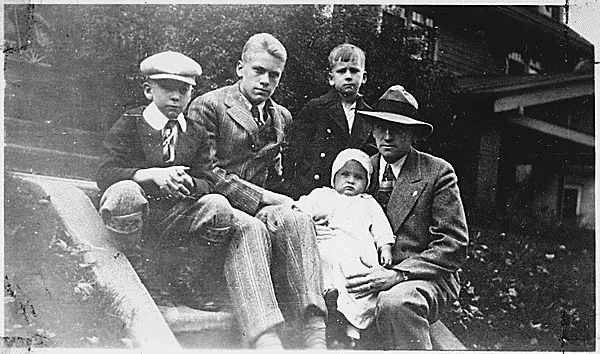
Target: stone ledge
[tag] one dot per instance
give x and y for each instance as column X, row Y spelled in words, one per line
column 145, row 324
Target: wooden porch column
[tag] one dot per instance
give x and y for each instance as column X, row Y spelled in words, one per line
column 487, row 172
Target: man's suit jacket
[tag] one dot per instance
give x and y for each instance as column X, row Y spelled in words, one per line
column 241, row 163
column 133, row 144
column 318, row 134
column 427, row 216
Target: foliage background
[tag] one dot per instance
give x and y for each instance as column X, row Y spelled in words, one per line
column 101, row 46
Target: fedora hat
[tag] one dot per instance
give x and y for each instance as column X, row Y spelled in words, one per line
column 398, row 106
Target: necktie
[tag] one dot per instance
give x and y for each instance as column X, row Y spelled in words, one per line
column 386, row 186
column 256, row 116
column 169, row 133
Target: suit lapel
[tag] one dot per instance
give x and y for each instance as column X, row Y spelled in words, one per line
column 151, row 142
column 238, row 111
column 406, row 192
column 278, row 122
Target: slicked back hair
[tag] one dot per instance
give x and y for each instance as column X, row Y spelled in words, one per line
column 267, row 42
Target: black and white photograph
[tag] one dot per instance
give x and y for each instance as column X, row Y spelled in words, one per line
column 304, row 176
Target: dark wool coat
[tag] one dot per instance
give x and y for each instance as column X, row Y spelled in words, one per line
column 133, row 144
column 318, row 134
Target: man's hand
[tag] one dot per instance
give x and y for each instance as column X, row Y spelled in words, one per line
column 272, row 198
column 172, row 181
column 372, row 281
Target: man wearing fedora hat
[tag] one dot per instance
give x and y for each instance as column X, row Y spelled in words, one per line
column 420, row 195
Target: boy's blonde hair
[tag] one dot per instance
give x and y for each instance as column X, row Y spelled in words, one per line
column 346, row 52
column 267, row 42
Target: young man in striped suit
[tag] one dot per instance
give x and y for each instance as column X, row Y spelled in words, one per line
column 272, row 268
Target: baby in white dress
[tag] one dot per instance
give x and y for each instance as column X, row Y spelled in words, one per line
column 352, row 232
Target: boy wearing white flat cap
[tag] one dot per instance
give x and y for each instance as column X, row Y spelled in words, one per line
column 352, row 229
column 158, row 180
column 423, row 205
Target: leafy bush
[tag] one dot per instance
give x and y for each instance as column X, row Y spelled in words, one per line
column 522, row 292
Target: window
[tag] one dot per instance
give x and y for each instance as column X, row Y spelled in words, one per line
column 534, row 67
column 514, row 64
column 417, row 17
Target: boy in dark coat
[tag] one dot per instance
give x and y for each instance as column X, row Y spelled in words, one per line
column 329, row 124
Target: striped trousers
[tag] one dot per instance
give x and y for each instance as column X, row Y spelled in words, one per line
column 273, row 269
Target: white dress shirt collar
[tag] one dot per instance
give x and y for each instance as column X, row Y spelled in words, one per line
column 157, row 120
column 396, row 166
column 350, row 111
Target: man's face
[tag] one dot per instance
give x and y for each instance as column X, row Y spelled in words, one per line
column 347, row 77
column 393, row 140
column 170, row 96
column 260, row 74
column 351, row 179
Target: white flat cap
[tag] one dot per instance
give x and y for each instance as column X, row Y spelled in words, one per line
column 171, row 65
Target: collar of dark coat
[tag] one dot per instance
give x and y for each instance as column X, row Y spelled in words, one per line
column 238, row 111
column 333, row 98
column 333, row 101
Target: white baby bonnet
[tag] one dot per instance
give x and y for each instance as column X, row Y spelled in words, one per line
column 352, row 154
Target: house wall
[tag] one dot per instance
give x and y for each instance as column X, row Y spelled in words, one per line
column 465, row 55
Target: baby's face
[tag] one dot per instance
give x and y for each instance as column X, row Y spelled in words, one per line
column 351, row 179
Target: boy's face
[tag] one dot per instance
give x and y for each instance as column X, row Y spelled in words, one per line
column 347, row 77
column 260, row 74
column 170, row 96
column 351, row 179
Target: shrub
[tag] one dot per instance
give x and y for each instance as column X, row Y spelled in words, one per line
column 522, row 292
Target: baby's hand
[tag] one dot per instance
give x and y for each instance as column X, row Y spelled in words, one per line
column 321, row 219
column 385, row 255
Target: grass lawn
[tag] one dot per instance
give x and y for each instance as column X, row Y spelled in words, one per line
column 50, row 297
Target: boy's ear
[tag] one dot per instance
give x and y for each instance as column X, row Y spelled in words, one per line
column 364, row 80
column 330, row 78
column 148, row 91
column 239, row 67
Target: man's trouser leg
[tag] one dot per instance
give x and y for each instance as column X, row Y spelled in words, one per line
column 296, row 274
column 404, row 312
column 247, row 271
column 274, row 253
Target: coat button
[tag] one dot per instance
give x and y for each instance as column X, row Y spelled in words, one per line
column 317, row 177
column 322, row 155
column 328, row 131
column 253, row 146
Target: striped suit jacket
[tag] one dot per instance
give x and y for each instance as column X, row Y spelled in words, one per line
column 240, row 162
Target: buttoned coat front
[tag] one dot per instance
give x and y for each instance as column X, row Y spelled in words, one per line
column 241, row 163
column 427, row 216
column 318, row 134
